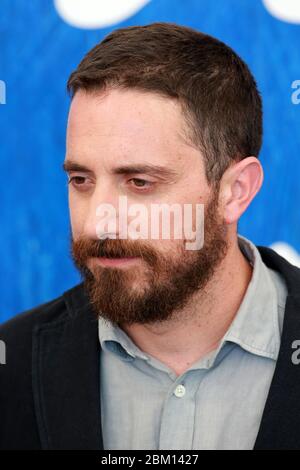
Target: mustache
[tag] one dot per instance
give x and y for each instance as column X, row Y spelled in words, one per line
column 82, row 249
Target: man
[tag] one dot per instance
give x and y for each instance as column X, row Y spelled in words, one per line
column 160, row 346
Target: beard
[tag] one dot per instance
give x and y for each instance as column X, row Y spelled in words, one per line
column 160, row 285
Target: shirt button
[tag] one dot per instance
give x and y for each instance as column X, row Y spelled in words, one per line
column 179, row 391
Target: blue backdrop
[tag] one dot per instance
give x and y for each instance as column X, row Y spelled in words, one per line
column 42, row 41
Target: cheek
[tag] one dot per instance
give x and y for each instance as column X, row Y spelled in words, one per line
column 77, row 216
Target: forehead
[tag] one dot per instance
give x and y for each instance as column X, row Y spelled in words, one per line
column 119, row 124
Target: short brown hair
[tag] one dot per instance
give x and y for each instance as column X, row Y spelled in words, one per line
column 215, row 88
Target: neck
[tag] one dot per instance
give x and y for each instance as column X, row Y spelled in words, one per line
column 195, row 331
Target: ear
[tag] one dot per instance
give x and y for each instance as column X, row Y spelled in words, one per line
column 239, row 185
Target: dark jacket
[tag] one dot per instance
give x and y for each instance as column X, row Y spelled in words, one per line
column 50, row 389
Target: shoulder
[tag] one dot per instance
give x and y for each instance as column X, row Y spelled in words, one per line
column 289, row 272
column 23, row 322
column 16, row 333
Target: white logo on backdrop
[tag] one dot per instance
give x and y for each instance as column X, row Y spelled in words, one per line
column 284, row 10
column 93, row 14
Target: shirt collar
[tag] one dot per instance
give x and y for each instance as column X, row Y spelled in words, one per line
column 255, row 327
column 114, row 339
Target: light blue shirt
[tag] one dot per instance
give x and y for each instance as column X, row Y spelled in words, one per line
column 218, row 402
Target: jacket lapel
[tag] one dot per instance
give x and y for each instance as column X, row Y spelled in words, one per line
column 66, row 388
column 280, row 424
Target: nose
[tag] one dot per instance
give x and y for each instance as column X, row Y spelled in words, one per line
column 101, row 217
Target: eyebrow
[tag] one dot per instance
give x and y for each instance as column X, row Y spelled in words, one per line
column 149, row 169
column 69, row 165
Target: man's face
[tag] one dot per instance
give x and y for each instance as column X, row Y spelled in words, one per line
column 130, row 144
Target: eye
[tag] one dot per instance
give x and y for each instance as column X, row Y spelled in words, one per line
column 78, row 182
column 141, row 184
